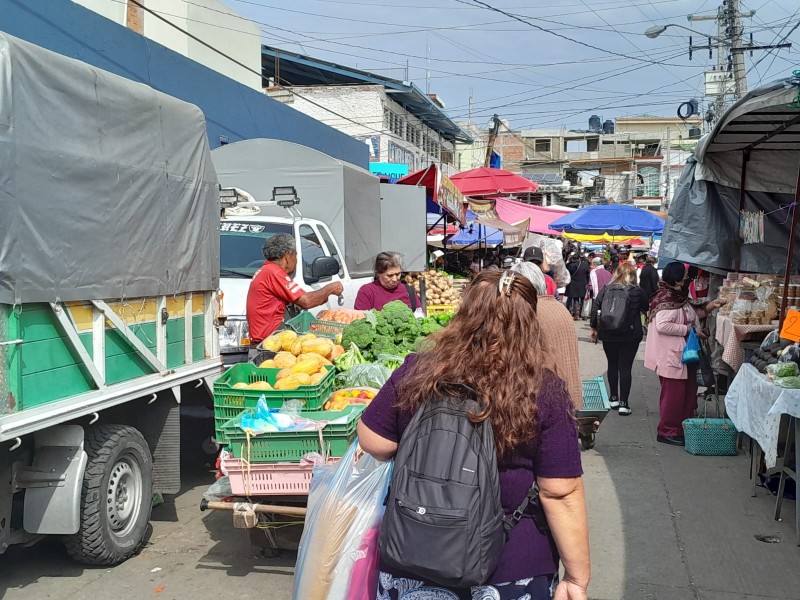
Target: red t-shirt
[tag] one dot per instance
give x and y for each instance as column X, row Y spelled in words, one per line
column 270, row 291
column 551, row 288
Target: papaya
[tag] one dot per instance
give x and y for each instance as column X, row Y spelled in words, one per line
column 267, row 364
column 273, row 343
column 308, row 367
column 337, row 351
column 323, row 371
column 320, row 359
column 260, row 385
column 317, row 378
column 294, row 381
column 283, row 374
column 287, row 338
column 297, row 347
column 321, row 346
column 240, row 386
column 284, row 360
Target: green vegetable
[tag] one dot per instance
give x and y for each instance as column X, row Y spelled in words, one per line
column 429, row 325
column 784, row 369
column 443, row 318
column 789, row 382
column 360, row 333
column 349, row 359
column 392, row 362
column 366, row 375
column 396, row 314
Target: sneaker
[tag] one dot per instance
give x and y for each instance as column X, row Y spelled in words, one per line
column 614, row 404
column 624, row 409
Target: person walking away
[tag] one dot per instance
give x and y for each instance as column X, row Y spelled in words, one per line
column 273, row 288
column 536, row 256
column 598, row 278
column 648, row 278
column 576, row 289
column 535, row 439
column 386, row 286
column 557, row 329
column 671, row 319
column 617, row 323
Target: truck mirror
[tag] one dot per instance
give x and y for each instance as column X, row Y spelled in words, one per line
column 324, row 266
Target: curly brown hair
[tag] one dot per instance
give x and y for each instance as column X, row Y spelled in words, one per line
column 493, row 344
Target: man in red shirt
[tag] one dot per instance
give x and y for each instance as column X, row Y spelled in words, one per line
column 273, row 288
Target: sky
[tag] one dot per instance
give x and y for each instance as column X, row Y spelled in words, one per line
column 545, row 64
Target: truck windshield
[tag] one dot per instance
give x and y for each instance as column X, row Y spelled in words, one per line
column 240, row 246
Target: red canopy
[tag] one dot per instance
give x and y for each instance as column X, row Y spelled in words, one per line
column 540, row 216
column 485, row 181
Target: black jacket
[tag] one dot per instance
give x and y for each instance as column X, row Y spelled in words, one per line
column 648, row 280
column 579, row 273
column 637, row 304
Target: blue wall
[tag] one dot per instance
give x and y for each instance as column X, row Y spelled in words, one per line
column 232, row 110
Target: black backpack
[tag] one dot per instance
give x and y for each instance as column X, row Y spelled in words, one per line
column 444, row 522
column 614, row 308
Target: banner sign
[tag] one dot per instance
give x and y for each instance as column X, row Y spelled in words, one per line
column 390, row 170
column 450, row 199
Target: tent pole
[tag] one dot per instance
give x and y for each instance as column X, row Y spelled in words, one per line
column 742, row 197
column 790, row 254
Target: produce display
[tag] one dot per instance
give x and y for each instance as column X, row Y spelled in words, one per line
column 394, row 331
column 770, row 354
column 340, row 315
column 340, row 399
column 439, row 288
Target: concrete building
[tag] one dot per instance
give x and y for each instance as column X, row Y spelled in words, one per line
column 404, row 129
column 209, row 20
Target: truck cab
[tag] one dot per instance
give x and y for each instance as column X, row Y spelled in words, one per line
column 241, row 239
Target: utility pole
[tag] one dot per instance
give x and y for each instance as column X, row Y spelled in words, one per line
column 492, row 138
column 729, row 79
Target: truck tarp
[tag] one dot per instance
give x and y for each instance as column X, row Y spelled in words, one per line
column 107, row 189
column 345, row 197
column 703, row 223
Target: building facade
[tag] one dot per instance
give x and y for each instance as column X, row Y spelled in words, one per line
column 209, row 20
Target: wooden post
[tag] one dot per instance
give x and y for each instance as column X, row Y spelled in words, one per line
column 790, row 253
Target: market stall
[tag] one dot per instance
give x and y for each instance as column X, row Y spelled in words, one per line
column 736, row 210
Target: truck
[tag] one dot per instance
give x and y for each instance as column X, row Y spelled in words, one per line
column 332, row 208
column 109, row 271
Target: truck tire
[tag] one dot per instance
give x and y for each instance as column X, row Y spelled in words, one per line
column 115, row 498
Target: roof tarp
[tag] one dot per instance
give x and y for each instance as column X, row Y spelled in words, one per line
column 703, row 223
column 540, row 216
column 107, row 189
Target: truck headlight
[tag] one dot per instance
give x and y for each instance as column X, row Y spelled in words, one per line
column 234, row 336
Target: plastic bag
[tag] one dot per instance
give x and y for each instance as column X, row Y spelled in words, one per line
column 366, row 375
column 339, row 543
column 586, row 311
column 783, row 369
column 790, row 354
column 792, row 383
column 691, row 351
column 773, row 337
column 219, row 490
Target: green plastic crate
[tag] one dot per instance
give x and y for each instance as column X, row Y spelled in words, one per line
column 229, row 401
column 291, row 446
column 595, row 398
column 305, row 322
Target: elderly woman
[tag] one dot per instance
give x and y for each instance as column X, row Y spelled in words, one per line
column 671, row 319
column 386, row 287
column 534, row 433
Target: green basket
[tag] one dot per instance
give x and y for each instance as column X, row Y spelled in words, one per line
column 332, row 440
column 301, row 323
column 305, row 322
column 229, row 401
column 710, row 436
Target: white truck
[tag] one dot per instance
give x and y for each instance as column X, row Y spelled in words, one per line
column 109, row 269
column 342, row 212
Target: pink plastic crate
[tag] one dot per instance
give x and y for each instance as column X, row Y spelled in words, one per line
column 268, row 479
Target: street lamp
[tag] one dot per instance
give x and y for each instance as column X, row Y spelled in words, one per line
column 656, row 30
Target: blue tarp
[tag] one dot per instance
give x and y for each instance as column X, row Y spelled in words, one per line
column 479, row 234
column 615, row 219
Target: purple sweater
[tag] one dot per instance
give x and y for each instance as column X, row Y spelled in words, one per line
column 554, row 453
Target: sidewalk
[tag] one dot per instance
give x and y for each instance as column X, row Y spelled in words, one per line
column 666, row 525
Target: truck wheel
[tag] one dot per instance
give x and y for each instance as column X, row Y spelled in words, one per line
column 115, row 497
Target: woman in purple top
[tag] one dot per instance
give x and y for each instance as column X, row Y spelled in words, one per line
column 387, row 286
column 493, row 345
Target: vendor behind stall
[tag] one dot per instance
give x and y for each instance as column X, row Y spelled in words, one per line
column 386, row 287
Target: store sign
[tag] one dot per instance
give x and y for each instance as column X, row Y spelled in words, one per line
column 390, row 170
column 513, row 238
column 452, row 200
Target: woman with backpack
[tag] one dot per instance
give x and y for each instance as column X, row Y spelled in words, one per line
column 499, row 379
column 617, row 322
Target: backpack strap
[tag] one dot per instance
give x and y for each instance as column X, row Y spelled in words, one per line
column 530, row 505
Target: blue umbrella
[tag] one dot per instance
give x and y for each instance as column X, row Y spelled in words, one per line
column 614, row 219
column 475, row 233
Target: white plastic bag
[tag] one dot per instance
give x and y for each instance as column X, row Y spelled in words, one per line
column 345, row 503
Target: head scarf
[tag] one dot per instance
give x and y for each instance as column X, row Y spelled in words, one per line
column 668, row 298
column 533, row 274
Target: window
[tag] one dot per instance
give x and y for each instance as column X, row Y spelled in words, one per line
column 394, row 122
column 328, row 240
column 311, row 250
column 240, row 252
column 541, row 146
column 648, row 180
column 592, row 144
column 575, row 146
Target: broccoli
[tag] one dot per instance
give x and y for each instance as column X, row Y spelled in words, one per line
column 428, row 326
column 360, row 333
column 382, row 327
column 397, row 313
column 408, row 331
column 443, row 318
column 383, row 345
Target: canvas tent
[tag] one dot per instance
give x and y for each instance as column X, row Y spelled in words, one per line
column 748, row 162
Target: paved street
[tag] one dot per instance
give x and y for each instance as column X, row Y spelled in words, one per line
column 664, row 526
